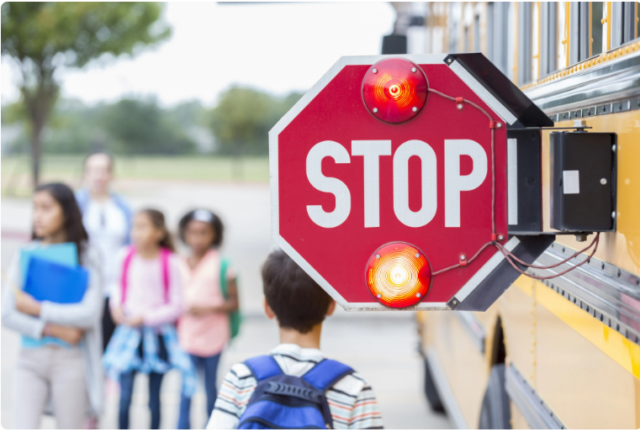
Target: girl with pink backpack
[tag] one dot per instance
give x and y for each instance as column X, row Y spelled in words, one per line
column 146, row 307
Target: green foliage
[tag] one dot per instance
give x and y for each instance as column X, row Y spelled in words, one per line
column 72, row 34
column 130, row 126
column 240, row 123
column 41, row 37
column 14, row 114
column 189, row 114
column 141, row 127
column 243, row 117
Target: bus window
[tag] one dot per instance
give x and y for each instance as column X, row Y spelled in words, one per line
column 535, row 41
column 498, row 25
column 476, row 33
column 623, row 23
column 563, row 35
column 467, row 23
column 511, row 37
column 524, row 43
column 489, row 32
column 596, row 27
column 454, row 19
column 637, row 22
column 437, row 28
column 548, row 37
column 579, row 24
column 466, row 39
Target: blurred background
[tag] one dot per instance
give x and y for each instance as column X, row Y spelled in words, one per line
column 178, row 80
column 183, row 95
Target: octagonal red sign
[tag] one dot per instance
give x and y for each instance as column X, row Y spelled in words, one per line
column 344, row 183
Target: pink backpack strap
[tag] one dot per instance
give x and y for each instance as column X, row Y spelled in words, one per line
column 164, row 257
column 125, row 271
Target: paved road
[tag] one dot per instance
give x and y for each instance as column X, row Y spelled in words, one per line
column 381, row 346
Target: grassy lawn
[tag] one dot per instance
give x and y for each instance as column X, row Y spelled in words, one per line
column 16, row 170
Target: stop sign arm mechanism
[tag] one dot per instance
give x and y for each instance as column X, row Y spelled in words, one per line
column 373, row 107
column 528, row 117
column 519, row 252
column 510, row 257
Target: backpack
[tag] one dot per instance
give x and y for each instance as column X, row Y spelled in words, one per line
column 235, row 318
column 283, row 401
column 164, row 260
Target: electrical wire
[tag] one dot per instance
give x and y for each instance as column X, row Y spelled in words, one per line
column 484, row 246
column 595, row 240
column 510, row 257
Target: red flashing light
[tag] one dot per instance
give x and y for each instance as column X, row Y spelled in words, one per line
column 398, row 275
column 394, row 90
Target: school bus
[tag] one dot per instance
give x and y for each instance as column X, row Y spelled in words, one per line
column 560, row 353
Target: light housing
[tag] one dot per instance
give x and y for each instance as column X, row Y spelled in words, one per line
column 394, row 90
column 398, row 275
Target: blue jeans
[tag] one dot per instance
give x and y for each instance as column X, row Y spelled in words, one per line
column 208, row 366
column 126, row 393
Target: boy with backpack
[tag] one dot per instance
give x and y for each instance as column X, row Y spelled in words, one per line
column 295, row 386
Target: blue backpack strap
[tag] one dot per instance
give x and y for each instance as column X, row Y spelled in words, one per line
column 326, row 373
column 263, row 367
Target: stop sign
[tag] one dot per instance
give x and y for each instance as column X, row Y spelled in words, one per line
column 403, row 161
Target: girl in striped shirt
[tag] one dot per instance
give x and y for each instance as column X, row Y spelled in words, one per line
column 299, row 305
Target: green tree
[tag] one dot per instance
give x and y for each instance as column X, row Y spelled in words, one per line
column 142, row 127
column 42, row 37
column 240, row 120
column 189, row 113
column 243, row 117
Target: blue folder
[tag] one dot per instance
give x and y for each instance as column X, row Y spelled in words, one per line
column 58, row 283
column 61, row 253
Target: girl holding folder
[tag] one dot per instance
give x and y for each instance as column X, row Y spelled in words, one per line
column 59, row 359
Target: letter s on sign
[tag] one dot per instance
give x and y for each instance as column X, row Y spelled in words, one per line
column 328, row 184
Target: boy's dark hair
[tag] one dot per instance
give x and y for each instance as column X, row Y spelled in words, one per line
column 297, row 300
column 157, row 220
column 212, row 219
column 73, row 226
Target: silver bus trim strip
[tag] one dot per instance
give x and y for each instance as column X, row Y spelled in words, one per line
column 444, row 391
column 537, row 414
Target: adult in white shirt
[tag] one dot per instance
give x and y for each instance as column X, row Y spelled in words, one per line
column 107, row 219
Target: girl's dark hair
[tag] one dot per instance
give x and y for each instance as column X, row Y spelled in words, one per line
column 73, row 227
column 214, row 221
column 157, row 219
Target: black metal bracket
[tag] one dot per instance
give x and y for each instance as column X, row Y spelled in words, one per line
column 501, row 278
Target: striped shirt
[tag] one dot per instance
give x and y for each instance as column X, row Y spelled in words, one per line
column 351, row 400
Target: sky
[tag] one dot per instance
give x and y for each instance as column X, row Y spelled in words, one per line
column 277, row 47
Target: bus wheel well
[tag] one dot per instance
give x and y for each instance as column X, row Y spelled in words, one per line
column 498, row 349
